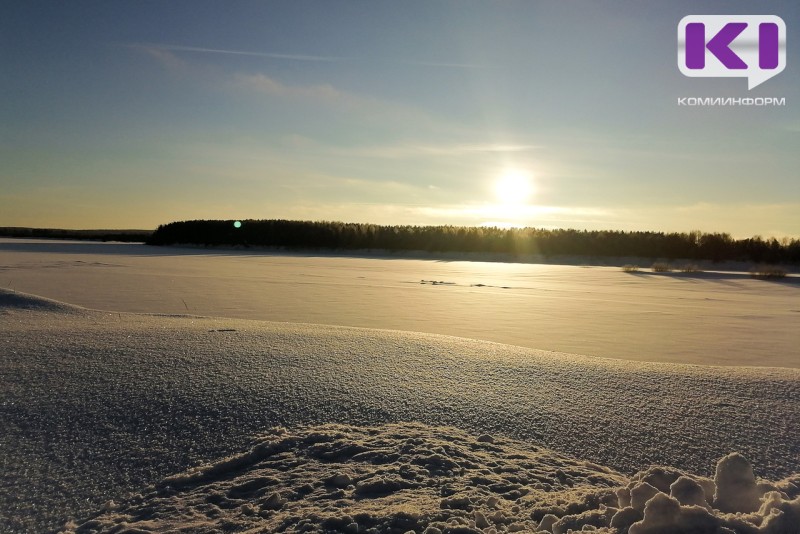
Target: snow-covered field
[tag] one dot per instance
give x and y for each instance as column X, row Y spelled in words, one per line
column 708, row 318
column 105, row 414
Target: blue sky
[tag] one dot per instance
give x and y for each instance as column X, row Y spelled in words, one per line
column 130, row 114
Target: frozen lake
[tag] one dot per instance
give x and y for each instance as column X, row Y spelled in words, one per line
column 708, row 318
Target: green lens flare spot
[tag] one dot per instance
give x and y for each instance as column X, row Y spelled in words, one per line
column 237, row 224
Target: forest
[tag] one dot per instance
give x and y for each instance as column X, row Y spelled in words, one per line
column 128, row 236
column 516, row 242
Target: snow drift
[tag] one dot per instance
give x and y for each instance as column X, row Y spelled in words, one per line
column 437, row 480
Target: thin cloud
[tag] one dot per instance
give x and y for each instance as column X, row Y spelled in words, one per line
column 436, row 150
column 450, row 65
column 306, row 57
column 254, row 82
column 162, row 55
column 270, row 86
column 523, row 213
column 293, row 57
column 363, row 106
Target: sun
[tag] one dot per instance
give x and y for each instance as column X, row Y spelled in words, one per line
column 513, row 187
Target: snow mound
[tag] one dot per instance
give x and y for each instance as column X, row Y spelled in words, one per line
column 11, row 301
column 410, row 477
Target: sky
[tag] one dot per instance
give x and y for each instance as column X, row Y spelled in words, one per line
column 552, row 114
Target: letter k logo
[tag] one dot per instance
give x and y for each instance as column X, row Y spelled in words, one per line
column 719, row 45
column 732, row 46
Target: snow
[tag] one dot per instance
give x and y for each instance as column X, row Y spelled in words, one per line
column 715, row 318
column 392, row 478
column 148, row 419
column 689, row 492
column 736, row 485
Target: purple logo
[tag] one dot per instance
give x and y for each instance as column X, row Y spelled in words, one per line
column 725, row 46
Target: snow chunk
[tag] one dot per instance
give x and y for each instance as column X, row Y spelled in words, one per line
column 665, row 514
column 641, row 495
column 688, row 492
column 736, row 485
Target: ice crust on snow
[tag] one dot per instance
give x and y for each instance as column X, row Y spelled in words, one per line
column 416, row 478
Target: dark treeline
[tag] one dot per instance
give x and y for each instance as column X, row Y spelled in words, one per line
column 128, row 236
column 514, row 241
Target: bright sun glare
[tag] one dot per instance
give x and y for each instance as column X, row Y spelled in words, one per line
column 513, row 187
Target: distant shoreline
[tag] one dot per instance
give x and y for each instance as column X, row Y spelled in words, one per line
column 704, row 268
column 501, row 244
column 124, row 236
column 688, row 251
